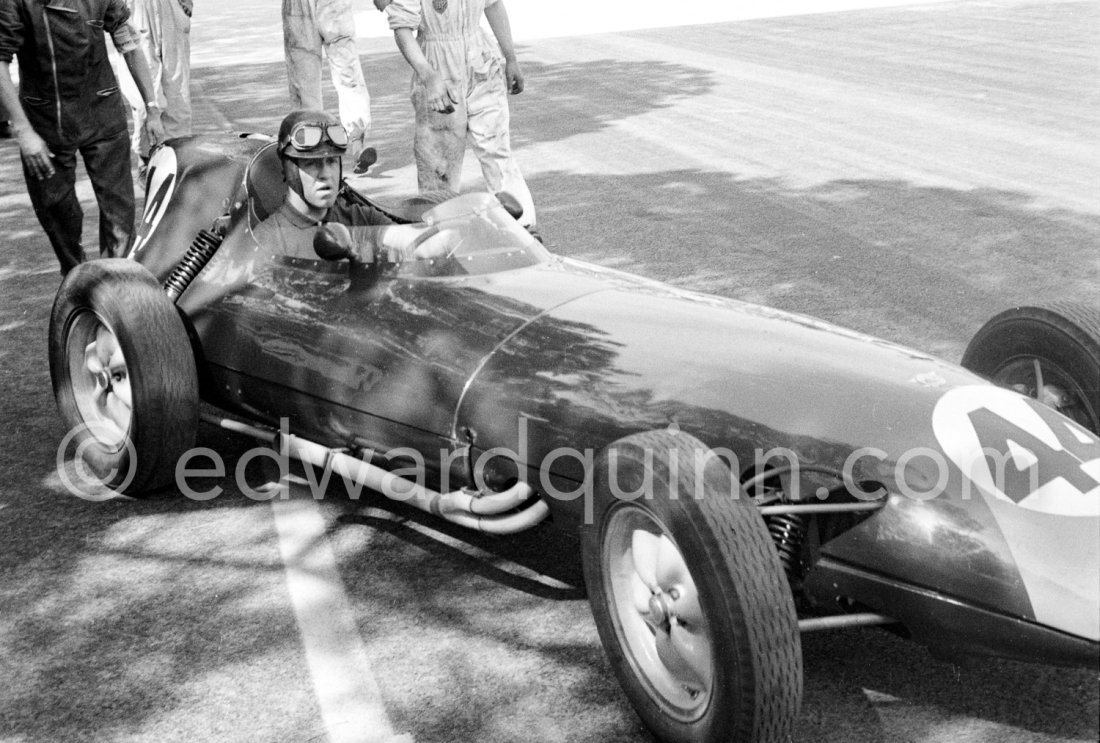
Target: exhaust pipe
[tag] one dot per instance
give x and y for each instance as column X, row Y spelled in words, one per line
column 486, row 512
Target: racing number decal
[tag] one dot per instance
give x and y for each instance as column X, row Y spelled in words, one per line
column 1015, row 449
column 1025, row 450
column 161, row 183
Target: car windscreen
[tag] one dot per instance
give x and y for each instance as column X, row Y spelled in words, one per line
column 471, row 235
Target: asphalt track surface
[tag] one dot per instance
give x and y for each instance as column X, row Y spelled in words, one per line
column 906, row 172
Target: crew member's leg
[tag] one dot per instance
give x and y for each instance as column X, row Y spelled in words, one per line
column 439, row 145
column 336, row 25
column 489, row 122
column 5, row 125
column 302, row 44
column 175, row 73
column 57, row 207
column 108, row 164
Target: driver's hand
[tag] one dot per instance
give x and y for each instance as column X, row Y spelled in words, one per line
column 435, row 243
column 36, row 154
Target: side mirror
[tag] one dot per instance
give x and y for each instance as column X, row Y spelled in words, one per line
column 510, row 203
column 332, row 242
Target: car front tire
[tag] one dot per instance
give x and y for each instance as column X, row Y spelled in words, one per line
column 689, row 597
column 123, row 374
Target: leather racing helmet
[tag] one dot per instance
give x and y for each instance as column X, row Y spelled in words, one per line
column 310, row 135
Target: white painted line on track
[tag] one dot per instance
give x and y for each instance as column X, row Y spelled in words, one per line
column 349, row 697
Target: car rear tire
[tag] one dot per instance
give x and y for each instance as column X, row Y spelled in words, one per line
column 123, row 374
column 689, row 596
column 1051, row 353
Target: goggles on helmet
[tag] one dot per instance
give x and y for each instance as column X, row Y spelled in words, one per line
column 308, row 136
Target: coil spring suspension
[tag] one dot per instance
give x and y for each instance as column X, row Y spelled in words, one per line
column 197, row 256
column 788, row 530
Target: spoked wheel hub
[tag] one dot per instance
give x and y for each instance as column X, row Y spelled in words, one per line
column 1049, row 384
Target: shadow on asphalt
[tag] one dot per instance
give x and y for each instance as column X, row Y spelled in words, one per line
column 856, row 679
column 925, row 267
column 849, row 259
column 550, row 557
column 104, row 621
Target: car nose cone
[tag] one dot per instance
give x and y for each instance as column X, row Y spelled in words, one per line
column 1039, row 474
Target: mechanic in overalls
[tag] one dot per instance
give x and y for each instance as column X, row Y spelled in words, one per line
column 311, row 146
column 69, row 103
column 460, row 92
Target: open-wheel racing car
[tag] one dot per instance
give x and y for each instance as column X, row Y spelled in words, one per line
column 738, row 474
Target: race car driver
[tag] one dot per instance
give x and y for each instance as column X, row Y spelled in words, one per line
column 311, row 145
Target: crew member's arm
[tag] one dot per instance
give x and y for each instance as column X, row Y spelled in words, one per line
column 125, row 40
column 404, row 19
column 439, row 95
column 32, row 148
column 497, row 15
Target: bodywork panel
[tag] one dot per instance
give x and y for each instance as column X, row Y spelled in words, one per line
column 543, row 366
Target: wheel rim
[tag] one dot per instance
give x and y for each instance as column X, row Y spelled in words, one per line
column 1045, row 381
column 658, row 615
column 100, row 380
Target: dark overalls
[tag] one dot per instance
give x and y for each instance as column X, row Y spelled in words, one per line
column 72, row 99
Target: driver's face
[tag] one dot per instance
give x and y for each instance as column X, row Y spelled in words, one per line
column 320, row 181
